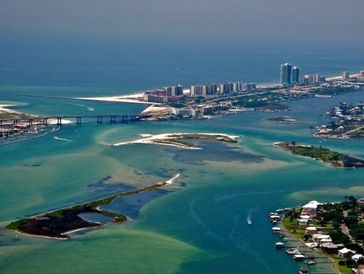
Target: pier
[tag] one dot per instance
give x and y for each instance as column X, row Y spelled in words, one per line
column 76, row 119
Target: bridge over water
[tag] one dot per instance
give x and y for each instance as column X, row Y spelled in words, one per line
column 77, row 119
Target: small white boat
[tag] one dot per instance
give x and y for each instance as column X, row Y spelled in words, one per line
column 293, row 251
column 298, row 257
column 276, row 229
column 249, row 220
column 279, row 245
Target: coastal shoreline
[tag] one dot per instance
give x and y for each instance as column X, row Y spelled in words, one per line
column 38, row 222
column 313, row 250
column 321, row 154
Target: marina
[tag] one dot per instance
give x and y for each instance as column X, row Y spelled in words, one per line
column 298, row 250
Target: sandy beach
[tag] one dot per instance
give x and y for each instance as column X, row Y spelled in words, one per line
column 5, row 108
column 136, row 98
column 171, row 139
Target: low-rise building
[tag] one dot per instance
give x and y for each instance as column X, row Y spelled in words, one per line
column 357, row 257
column 346, row 252
column 330, row 248
column 311, row 230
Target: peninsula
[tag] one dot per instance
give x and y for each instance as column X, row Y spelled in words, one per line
column 346, row 121
column 60, row 223
column 325, row 155
column 201, row 101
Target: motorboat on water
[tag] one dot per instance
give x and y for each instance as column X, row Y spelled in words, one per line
column 293, row 251
column 249, row 220
column 299, row 257
column 279, row 245
column 304, row 270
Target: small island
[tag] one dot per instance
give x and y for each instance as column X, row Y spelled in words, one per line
column 283, row 119
column 325, row 155
column 180, row 140
column 60, row 223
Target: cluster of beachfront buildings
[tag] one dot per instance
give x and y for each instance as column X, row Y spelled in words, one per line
column 175, row 93
column 344, row 117
column 289, row 76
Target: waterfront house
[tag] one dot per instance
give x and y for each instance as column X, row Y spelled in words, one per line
column 310, row 208
column 360, row 269
column 346, row 252
column 329, row 248
column 302, row 222
column 325, row 241
column 357, row 257
column 319, row 237
column 311, row 230
column 304, row 219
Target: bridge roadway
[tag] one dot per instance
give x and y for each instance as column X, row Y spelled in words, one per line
column 57, row 120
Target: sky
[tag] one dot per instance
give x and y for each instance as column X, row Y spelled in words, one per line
column 192, row 21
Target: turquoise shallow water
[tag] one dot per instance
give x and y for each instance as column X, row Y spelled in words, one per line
column 198, row 225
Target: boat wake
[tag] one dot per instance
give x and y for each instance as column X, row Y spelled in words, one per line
column 89, row 108
column 249, row 220
column 62, row 139
column 170, row 181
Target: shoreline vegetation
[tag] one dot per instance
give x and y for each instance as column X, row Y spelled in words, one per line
column 180, row 140
column 60, row 223
column 325, row 155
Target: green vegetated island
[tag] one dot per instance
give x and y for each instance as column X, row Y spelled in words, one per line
column 335, row 159
column 59, row 223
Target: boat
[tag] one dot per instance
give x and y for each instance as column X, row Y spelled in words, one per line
column 249, row 220
column 311, row 261
column 276, row 229
column 274, row 216
column 304, row 270
column 292, row 251
column 298, row 257
column 279, row 245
